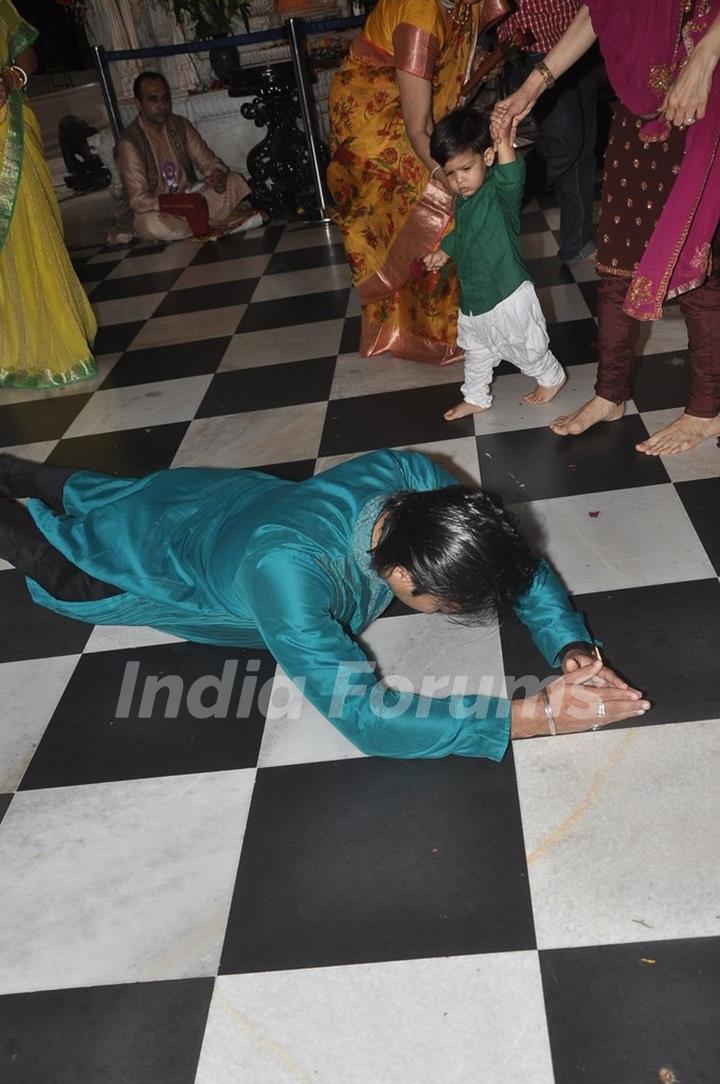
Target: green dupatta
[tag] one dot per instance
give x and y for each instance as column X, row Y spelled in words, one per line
column 15, row 37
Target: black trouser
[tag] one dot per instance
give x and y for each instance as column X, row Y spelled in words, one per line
column 25, row 546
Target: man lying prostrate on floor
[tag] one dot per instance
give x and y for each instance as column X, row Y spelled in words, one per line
column 241, row 558
column 175, row 185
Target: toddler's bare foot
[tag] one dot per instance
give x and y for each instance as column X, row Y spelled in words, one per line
column 462, row 410
column 540, row 395
column 681, row 435
column 592, row 412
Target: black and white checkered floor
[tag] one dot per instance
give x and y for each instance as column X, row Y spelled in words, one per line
column 218, row 901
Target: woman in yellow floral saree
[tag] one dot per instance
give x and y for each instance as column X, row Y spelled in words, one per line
column 405, row 69
column 46, row 323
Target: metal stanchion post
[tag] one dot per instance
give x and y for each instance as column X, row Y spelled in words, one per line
column 296, row 37
column 108, row 91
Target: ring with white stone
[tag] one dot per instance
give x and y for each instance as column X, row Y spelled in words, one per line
column 690, row 120
column 601, row 710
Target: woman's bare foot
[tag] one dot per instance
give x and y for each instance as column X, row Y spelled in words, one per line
column 592, row 412
column 682, row 435
column 462, row 410
column 540, row 395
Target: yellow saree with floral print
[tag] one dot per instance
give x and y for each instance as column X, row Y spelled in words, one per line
column 46, row 323
column 389, row 211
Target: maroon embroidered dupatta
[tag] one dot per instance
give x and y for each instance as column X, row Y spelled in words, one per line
column 644, row 44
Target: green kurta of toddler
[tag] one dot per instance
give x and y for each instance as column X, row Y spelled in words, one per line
column 237, row 557
column 485, row 242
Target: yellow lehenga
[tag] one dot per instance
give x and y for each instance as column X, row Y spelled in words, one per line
column 389, row 211
column 46, row 323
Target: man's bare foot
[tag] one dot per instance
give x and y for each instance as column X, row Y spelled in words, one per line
column 462, row 410
column 682, row 435
column 540, row 395
column 592, row 412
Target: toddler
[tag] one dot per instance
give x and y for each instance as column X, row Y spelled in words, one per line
column 500, row 315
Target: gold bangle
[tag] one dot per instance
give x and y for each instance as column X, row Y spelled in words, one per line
column 548, row 711
column 547, row 76
column 434, row 170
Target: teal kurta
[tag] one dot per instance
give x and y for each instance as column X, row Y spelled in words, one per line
column 241, row 558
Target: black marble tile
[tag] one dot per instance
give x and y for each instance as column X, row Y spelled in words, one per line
column 294, row 471
column 39, row 419
column 533, row 222
column 302, row 259
column 268, row 386
column 28, row 631
column 126, row 1034
column 5, row 800
column 626, row 1012
column 94, row 272
column 701, row 499
column 146, row 366
column 126, row 452
column 548, row 271
column 574, row 342
column 135, row 285
column 217, row 295
column 420, row 858
column 661, row 381
column 535, row 464
column 589, row 290
column 253, row 243
column 390, row 419
column 300, row 309
column 650, row 635
column 115, row 338
column 171, row 709
column 350, row 340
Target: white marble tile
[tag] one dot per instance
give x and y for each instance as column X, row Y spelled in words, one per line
column 308, row 237
column 616, row 539
column 560, row 303
column 126, row 637
column 621, row 834
column 275, row 346
column 38, row 451
column 701, row 462
column 179, row 254
column 452, row 1020
column 459, row 456
column 207, row 274
column 552, row 217
column 249, row 440
column 296, row 733
column 509, row 412
column 535, row 246
column 188, row 327
column 584, row 271
column 140, row 405
column 119, row 882
column 30, row 693
column 356, row 375
column 125, row 310
column 663, row 336
column 310, row 281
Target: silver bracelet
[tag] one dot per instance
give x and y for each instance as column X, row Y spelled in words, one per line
column 21, row 74
column 548, row 711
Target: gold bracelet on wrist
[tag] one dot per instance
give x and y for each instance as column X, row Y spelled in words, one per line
column 547, row 76
column 20, row 75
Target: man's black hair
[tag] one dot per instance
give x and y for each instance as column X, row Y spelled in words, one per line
column 145, row 77
column 458, row 545
column 460, row 131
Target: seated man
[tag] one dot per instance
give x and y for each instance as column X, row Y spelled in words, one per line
column 238, row 557
column 176, row 187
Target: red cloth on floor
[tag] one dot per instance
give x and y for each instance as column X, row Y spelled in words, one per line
column 188, row 205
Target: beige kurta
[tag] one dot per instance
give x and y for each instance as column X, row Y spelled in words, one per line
column 148, row 222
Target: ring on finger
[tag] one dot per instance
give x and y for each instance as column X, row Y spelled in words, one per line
column 690, row 120
column 600, row 709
